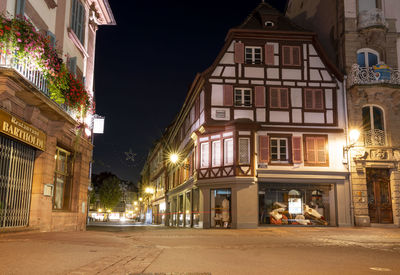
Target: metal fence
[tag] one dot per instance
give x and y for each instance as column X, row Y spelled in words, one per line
column 16, row 172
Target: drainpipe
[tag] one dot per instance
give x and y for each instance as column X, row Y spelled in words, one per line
column 348, row 152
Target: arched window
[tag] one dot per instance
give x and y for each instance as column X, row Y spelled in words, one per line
column 373, row 125
column 367, row 57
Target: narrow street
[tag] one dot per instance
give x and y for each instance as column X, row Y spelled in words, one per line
column 112, row 249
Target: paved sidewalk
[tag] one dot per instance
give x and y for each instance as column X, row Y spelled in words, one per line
column 154, row 250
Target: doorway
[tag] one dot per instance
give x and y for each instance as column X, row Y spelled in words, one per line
column 379, row 198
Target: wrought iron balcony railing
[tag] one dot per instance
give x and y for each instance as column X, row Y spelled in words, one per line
column 374, row 137
column 368, row 75
column 371, row 18
column 31, row 74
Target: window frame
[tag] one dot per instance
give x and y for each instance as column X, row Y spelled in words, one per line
column 67, row 183
column 291, row 59
column 278, row 139
column 242, row 97
column 366, row 51
column 226, row 151
column 248, row 151
column 216, row 157
column 204, row 153
column 314, row 108
column 252, row 60
column 326, row 150
column 279, row 91
column 77, row 20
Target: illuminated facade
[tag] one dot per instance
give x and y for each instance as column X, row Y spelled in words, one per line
column 45, row 141
column 260, row 135
column 362, row 38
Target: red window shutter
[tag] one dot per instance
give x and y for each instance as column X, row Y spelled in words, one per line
column 284, row 98
column 228, row 95
column 296, row 56
column 286, row 55
column 269, row 55
column 274, row 98
column 239, row 53
column 320, row 148
column 263, row 149
column 311, row 150
column 318, row 100
column 296, row 148
column 308, row 99
column 260, row 96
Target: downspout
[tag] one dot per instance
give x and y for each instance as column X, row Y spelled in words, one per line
column 348, row 152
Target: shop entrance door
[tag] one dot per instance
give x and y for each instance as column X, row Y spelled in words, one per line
column 16, row 172
column 379, row 199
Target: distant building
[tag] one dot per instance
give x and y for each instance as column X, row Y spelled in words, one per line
column 260, row 135
column 46, row 111
column 362, row 38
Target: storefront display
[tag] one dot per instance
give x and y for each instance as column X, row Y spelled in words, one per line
column 220, row 208
column 294, row 204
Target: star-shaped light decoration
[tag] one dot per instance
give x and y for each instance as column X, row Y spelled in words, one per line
column 130, row 156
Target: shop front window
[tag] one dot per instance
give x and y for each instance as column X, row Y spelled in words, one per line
column 180, row 210
column 173, row 212
column 195, row 209
column 291, row 204
column 187, row 210
column 221, row 208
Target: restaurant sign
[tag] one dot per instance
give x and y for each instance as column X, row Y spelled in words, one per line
column 22, row 131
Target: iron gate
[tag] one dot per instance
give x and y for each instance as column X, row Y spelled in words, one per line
column 16, row 172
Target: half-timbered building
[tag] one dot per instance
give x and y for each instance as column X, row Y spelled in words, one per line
column 261, row 133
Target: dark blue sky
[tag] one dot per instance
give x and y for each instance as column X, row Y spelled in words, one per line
column 145, row 65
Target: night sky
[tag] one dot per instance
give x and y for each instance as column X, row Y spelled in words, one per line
column 145, row 65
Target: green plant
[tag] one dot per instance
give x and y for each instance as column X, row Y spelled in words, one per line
column 20, row 39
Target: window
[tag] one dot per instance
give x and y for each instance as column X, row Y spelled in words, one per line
column 253, row 55
column 243, row 97
column 216, row 153
column 366, row 5
column 244, row 151
column 279, row 98
column 228, row 151
column 316, row 152
column 62, row 181
column 291, row 55
column 314, row 99
column 373, row 125
column 78, row 19
column 367, row 57
column 279, row 149
column 204, row 155
column 20, row 7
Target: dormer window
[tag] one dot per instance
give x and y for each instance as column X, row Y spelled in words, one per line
column 253, row 55
column 269, row 24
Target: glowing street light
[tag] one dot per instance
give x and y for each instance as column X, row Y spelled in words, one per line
column 354, row 135
column 174, row 158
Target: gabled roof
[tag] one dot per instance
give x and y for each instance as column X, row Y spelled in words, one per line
column 265, row 12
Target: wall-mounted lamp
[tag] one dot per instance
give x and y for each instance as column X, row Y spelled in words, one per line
column 175, row 159
column 354, row 135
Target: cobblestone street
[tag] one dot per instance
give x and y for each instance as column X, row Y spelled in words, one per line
column 150, row 250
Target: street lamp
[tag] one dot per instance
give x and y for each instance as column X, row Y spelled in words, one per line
column 354, row 135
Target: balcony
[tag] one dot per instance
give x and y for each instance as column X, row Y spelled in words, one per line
column 374, row 137
column 32, row 75
column 373, row 75
column 372, row 18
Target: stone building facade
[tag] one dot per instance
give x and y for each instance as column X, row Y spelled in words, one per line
column 45, row 146
column 362, row 38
